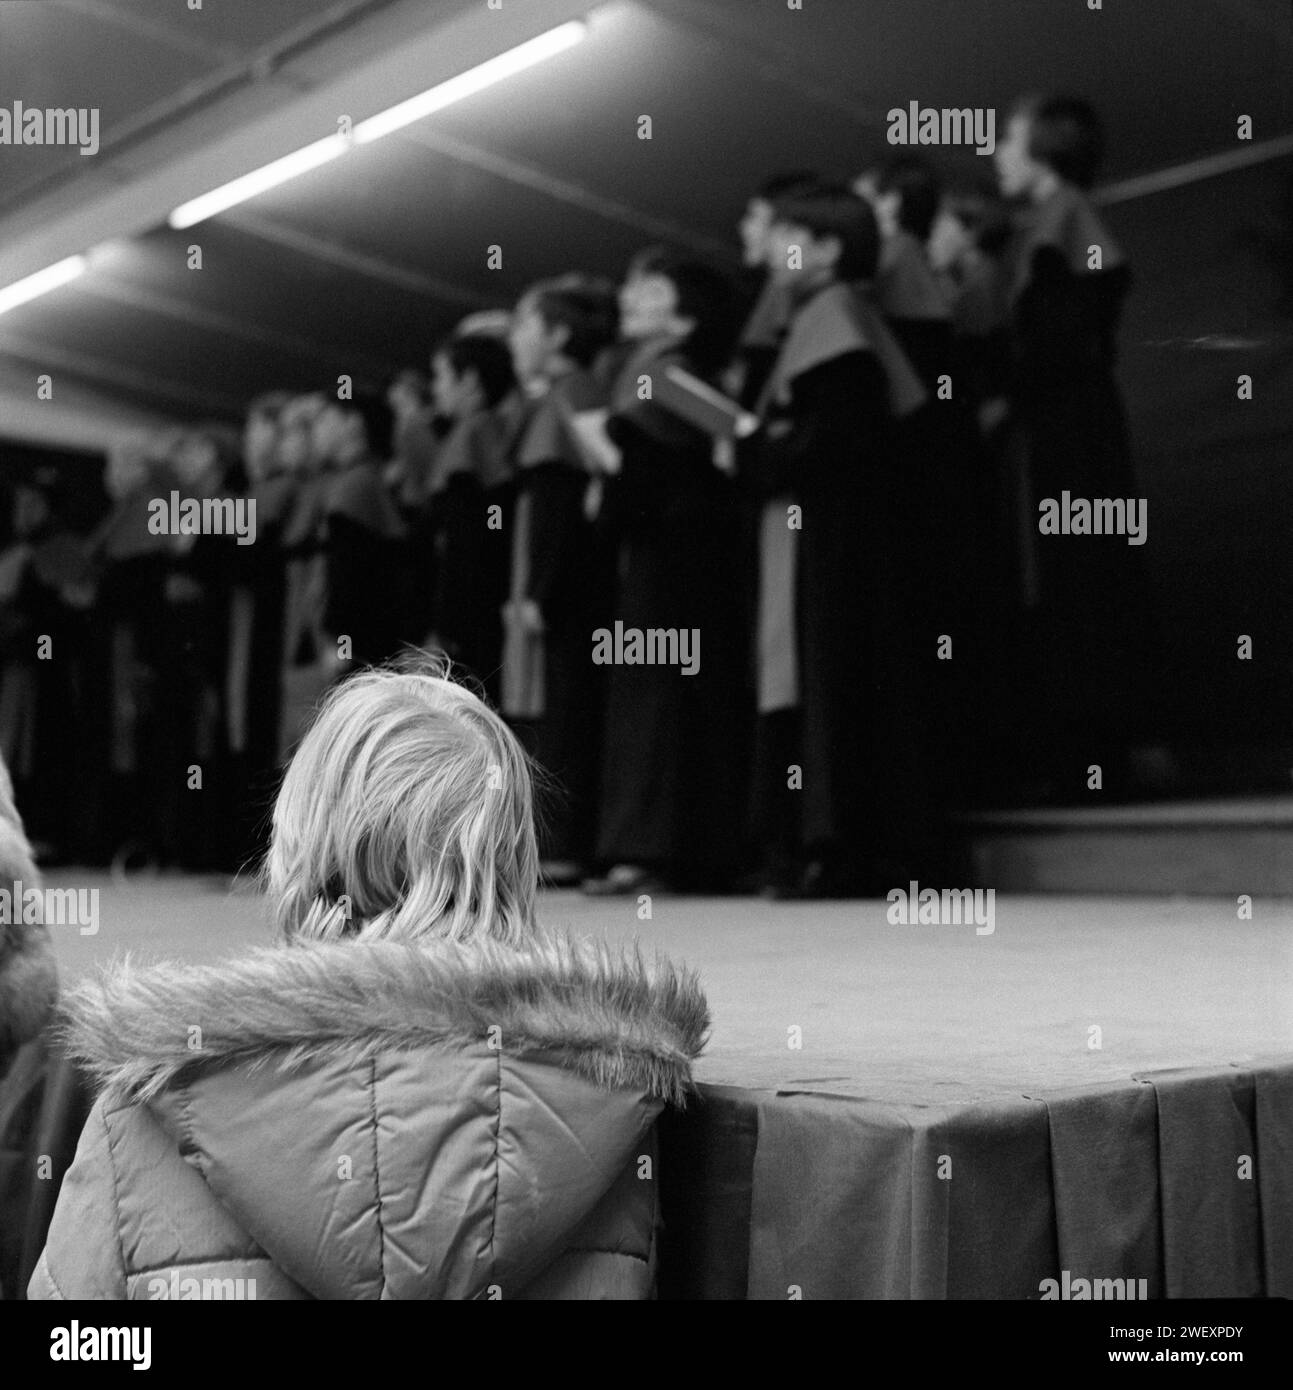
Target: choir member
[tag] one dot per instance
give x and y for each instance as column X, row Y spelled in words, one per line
column 1068, row 280
column 253, row 681
column 366, row 584
column 132, row 563
column 309, row 661
column 671, row 780
column 765, row 326
column 417, row 431
column 966, row 249
column 550, row 688
column 905, row 196
column 937, row 443
column 468, row 500
column 757, row 347
column 48, row 684
column 193, row 826
column 844, row 756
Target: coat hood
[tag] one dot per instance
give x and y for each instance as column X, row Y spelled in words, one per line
column 613, row 1020
column 395, row 1120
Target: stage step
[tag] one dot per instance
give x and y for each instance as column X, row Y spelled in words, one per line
column 1241, row 845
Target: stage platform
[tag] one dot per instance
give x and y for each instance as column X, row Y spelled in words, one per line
column 1100, row 1086
column 1219, row 845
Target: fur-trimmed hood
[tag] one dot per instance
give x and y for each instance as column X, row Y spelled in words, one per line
column 614, row 1020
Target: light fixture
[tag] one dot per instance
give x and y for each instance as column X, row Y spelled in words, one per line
column 514, row 60
column 466, row 84
column 258, row 181
column 33, row 286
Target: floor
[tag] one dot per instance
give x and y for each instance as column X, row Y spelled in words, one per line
column 1064, row 991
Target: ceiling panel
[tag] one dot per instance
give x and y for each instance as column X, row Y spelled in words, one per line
column 424, row 210
column 49, row 58
column 354, row 322
column 221, row 24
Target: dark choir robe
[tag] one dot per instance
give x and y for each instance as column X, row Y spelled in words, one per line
column 834, row 605
column 41, row 700
column 417, row 439
column 976, row 294
column 940, row 493
column 760, row 342
column 934, row 439
column 985, row 678
column 551, row 690
column 254, row 669
column 309, row 663
column 768, row 744
column 1085, row 594
column 468, row 512
column 132, row 565
column 366, row 583
column 193, row 827
column 915, row 302
column 671, row 775
column 744, row 381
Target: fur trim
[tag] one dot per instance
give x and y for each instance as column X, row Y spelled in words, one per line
column 613, row 1020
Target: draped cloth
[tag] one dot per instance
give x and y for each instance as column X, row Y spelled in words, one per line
column 842, row 1197
column 837, row 320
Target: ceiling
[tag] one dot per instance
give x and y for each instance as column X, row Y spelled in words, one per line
column 358, row 267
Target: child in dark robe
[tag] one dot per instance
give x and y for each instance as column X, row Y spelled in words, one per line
column 194, row 820
column 937, row 445
column 42, row 699
column 131, row 563
column 415, row 436
column 550, row 686
column 1086, row 596
column 766, row 323
column 253, row 678
column 468, row 500
column 309, row 665
column 905, row 197
column 966, row 246
column 841, row 774
column 365, row 581
column 672, row 753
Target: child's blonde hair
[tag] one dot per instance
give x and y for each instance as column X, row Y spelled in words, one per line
column 407, row 812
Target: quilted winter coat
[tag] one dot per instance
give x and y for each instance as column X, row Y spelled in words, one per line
column 373, row 1120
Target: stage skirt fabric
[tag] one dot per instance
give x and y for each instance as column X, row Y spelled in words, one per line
column 1183, row 1179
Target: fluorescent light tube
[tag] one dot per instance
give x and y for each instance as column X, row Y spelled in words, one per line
column 477, row 79
column 33, row 286
column 466, row 84
column 258, row 181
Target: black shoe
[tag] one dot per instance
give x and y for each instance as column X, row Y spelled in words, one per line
column 560, row 873
column 625, row 881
